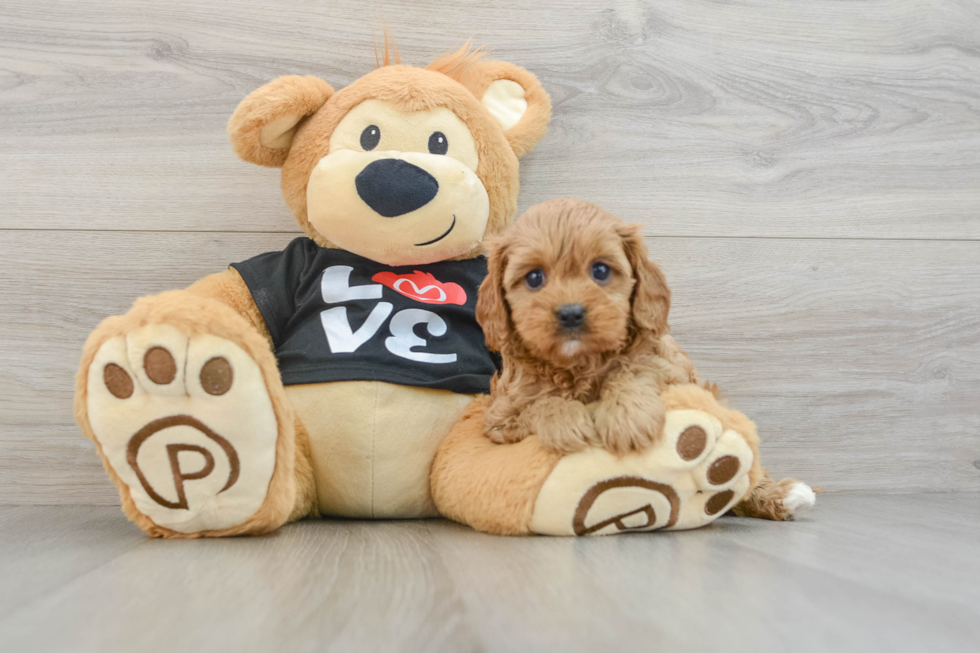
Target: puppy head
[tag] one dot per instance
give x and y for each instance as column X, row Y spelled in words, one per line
column 570, row 280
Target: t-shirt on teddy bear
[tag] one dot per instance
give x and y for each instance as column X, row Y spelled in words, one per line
column 337, row 316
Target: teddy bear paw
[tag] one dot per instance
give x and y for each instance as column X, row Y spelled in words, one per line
column 186, row 423
column 691, row 476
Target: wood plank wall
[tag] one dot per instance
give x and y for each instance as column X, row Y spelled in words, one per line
column 808, row 174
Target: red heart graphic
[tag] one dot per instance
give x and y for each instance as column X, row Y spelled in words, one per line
column 423, row 287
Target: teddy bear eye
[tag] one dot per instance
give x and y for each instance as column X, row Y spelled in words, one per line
column 600, row 273
column 370, row 137
column 534, row 279
column 438, row 144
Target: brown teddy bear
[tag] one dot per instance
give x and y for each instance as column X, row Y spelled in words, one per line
column 322, row 379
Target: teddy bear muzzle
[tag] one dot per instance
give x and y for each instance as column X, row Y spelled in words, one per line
column 398, row 208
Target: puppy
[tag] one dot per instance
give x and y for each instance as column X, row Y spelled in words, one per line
column 579, row 316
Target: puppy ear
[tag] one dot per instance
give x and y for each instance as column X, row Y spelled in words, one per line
column 651, row 294
column 492, row 311
column 515, row 99
column 263, row 125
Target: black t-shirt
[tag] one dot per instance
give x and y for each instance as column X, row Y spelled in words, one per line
column 336, row 316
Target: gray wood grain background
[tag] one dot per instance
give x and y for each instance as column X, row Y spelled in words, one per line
column 808, row 174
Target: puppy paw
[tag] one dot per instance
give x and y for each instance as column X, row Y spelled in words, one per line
column 503, row 434
column 623, row 426
column 563, row 426
column 689, row 477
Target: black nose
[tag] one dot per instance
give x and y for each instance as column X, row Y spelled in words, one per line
column 394, row 187
column 571, row 316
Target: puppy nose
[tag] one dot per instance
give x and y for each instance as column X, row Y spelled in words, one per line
column 393, row 187
column 571, row 316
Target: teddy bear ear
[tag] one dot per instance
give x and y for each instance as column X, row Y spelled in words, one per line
column 514, row 97
column 263, row 125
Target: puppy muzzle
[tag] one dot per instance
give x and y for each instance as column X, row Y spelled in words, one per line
column 570, row 317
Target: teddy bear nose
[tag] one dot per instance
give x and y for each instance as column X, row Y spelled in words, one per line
column 571, row 316
column 393, row 187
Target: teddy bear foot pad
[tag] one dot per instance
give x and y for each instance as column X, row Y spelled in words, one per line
column 693, row 475
column 186, row 423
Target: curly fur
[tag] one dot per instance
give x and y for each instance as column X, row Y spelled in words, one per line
column 626, row 371
column 598, row 384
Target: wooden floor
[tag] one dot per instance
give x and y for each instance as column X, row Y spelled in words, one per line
column 858, row 573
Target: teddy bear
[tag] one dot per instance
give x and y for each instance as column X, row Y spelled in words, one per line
column 322, row 379
column 319, row 380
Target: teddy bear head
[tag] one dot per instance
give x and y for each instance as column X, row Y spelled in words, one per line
column 406, row 165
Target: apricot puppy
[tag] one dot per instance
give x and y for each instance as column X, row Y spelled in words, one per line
column 579, row 316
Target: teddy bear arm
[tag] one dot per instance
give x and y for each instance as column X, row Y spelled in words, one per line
column 704, row 463
column 229, row 288
column 489, row 486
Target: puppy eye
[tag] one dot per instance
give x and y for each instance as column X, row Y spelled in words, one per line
column 600, row 273
column 534, row 279
column 438, row 144
column 370, row 137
